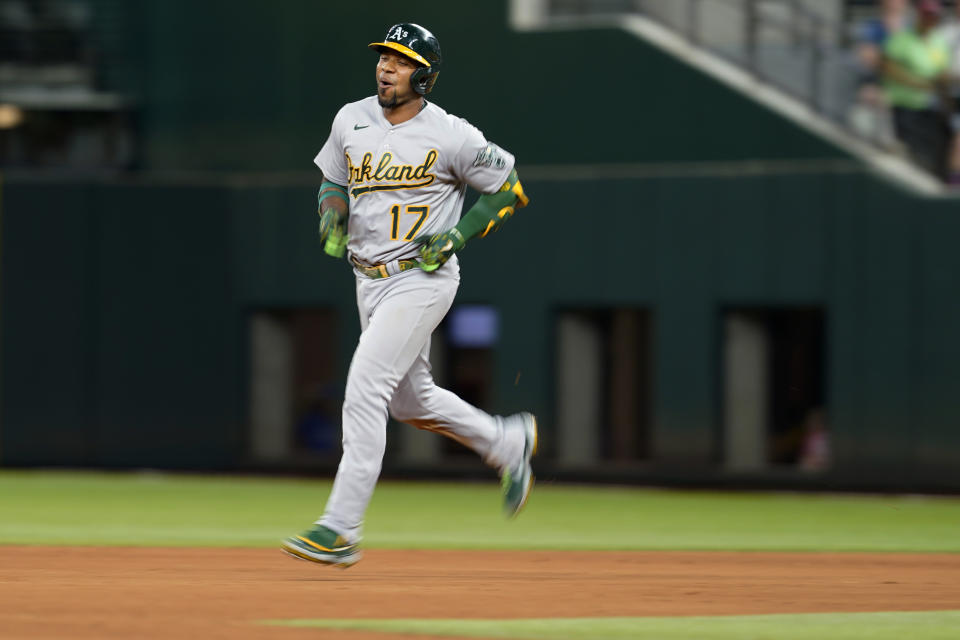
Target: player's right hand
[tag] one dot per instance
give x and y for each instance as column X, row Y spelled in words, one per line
column 333, row 233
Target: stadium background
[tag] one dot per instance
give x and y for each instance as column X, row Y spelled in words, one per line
column 131, row 301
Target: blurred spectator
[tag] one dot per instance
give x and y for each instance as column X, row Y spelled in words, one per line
column 815, row 451
column 870, row 114
column 873, row 34
column 915, row 76
column 951, row 33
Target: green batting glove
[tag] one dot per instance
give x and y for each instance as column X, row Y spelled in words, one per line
column 435, row 250
column 333, row 234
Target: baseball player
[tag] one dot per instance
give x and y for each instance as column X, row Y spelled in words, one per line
column 395, row 171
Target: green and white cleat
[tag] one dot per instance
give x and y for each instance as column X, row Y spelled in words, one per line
column 516, row 482
column 320, row 544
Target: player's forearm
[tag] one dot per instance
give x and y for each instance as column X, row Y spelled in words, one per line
column 332, row 196
column 336, row 205
column 492, row 210
column 333, row 207
column 484, row 212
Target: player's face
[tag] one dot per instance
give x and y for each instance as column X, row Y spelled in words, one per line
column 393, row 79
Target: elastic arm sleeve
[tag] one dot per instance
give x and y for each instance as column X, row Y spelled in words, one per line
column 491, row 210
column 331, row 190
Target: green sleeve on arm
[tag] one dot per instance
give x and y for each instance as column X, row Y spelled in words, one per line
column 489, row 212
column 485, row 210
column 493, row 209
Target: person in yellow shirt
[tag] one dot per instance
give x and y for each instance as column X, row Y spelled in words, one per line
column 915, row 78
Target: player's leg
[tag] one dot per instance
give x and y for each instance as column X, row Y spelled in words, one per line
column 418, row 401
column 397, row 318
column 404, row 314
column 504, row 443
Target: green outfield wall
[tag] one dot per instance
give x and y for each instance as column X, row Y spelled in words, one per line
column 125, row 307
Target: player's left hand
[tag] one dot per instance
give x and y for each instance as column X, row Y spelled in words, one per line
column 332, row 232
column 435, row 250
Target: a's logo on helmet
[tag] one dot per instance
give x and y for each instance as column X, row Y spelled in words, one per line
column 397, row 33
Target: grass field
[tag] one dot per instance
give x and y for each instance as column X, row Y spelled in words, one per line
column 150, row 509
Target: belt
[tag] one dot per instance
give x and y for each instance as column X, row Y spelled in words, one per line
column 380, row 270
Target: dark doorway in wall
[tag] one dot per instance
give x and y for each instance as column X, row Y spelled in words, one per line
column 774, row 394
column 604, row 386
column 295, row 393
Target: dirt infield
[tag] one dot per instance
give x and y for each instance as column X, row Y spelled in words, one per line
column 89, row 592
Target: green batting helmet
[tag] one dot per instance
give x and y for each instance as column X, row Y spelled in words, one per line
column 419, row 45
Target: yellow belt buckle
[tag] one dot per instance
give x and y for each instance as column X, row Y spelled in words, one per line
column 383, row 270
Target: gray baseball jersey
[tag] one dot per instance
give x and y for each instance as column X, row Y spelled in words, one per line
column 408, row 179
